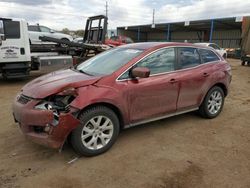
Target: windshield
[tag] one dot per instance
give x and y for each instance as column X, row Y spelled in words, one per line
column 108, row 62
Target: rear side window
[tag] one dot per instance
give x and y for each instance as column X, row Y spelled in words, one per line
column 33, row 28
column 208, row 56
column 188, row 57
column 12, row 29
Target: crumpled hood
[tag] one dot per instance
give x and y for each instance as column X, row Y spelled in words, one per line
column 55, row 82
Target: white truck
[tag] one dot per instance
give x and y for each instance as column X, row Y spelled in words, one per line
column 16, row 58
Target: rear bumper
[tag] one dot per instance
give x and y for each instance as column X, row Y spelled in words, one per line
column 37, row 126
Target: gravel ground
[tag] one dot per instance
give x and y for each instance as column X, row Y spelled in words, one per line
column 178, row 152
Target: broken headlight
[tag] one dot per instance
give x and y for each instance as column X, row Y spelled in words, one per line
column 58, row 102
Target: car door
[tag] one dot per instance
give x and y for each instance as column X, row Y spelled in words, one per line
column 191, row 77
column 34, row 34
column 45, row 31
column 196, row 69
column 156, row 95
column 14, row 46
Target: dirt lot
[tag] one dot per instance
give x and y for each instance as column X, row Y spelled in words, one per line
column 179, row 152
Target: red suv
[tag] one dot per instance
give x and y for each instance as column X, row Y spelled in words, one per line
column 122, row 87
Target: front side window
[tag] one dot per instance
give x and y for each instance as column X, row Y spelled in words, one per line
column 208, row 56
column 44, row 29
column 11, row 29
column 108, row 62
column 188, row 57
column 33, row 28
column 159, row 62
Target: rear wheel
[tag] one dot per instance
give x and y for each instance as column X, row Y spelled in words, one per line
column 97, row 133
column 212, row 103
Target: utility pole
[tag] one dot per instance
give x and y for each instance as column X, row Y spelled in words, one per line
column 106, row 8
column 153, row 21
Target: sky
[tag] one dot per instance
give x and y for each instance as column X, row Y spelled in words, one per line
column 72, row 14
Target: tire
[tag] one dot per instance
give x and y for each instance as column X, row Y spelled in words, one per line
column 224, row 56
column 212, row 103
column 97, row 138
column 243, row 63
column 64, row 45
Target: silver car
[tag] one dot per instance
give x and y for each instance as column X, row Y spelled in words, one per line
column 35, row 31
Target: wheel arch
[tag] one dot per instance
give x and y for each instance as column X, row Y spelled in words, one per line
column 114, row 108
column 222, row 86
column 219, row 84
column 64, row 38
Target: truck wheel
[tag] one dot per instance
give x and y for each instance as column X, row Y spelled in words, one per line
column 212, row 103
column 243, row 63
column 98, row 131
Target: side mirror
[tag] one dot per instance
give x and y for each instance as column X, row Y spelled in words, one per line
column 140, row 72
column 52, row 31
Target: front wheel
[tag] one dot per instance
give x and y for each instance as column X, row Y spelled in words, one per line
column 97, row 133
column 212, row 103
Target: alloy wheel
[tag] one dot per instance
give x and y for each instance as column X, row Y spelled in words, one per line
column 215, row 102
column 97, row 132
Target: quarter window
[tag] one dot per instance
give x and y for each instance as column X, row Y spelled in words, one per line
column 208, row 56
column 160, row 61
column 188, row 57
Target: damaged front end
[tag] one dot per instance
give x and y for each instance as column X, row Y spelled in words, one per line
column 58, row 103
column 48, row 121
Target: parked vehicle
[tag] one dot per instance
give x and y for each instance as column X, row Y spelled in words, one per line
column 78, row 40
column 36, row 31
column 245, row 42
column 220, row 50
column 122, row 87
column 118, row 40
column 18, row 57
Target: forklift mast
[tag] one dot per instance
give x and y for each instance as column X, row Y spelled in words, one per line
column 95, row 30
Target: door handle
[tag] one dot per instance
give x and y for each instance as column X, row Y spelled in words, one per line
column 172, row 81
column 205, row 74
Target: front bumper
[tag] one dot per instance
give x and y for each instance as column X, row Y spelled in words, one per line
column 32, row 123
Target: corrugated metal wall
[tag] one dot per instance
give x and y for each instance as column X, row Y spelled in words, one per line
column 227, row 38
column 224, row 38
column 133, row 35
